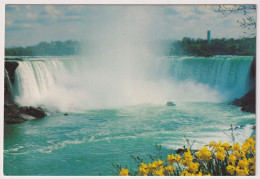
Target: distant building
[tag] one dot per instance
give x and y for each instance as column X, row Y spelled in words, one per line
column 208, row 36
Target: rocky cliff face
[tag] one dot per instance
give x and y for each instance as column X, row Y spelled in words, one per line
column 10, row 67
column 248, row 102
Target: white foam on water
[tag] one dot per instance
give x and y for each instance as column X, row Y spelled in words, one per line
column 59, row 145
column 15, row 149
column 240, row 134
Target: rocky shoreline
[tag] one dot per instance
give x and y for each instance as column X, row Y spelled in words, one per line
column 247, row 102
column 14, row 114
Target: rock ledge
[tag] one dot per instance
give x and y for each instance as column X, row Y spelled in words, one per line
column 14, row 114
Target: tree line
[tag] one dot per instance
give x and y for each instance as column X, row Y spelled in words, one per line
column 54, row 48
column 186, row 46
column 201, row 47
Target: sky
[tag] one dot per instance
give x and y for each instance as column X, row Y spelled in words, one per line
column 30, row 24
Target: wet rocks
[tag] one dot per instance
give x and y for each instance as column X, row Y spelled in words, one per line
column 170, row 103
column 181, row 151
column 14, row 114
column 36, row 112
column 247, row 102
column 10, row 67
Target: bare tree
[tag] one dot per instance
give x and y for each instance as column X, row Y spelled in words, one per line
column 248, row 22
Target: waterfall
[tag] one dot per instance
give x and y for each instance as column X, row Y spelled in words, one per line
column 36, row 78
column 70, row 83
column 227, row 74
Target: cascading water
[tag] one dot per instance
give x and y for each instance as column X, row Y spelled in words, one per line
column 227, row 74
column 36, row 79
column 71, row 83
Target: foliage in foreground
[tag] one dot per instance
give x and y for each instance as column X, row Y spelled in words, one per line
column 216, row 159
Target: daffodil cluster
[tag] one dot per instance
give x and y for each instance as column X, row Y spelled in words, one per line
column 124, row 172
column 157, row 168
column 216, row 159
column 241, row 160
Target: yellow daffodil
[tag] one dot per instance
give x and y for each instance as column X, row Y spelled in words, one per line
column 151, row 167
column 212, row 144
column 240, row 161
column 124, row 172
column 144, row 165
column 252, row 166
column 243, row 163
column 199, row 174
column 160, row 172
column 171, row 159
column 236, row 147
column 231, row 169
column 193, row 167
column 170, row 169
column 187, row 158
column 232, row 159
column 185, row 173
column 143, row 171
column 245, row 147
column 204, row 154
column 220, row 149
column 241, row 172
column 238, row 155
column 251, row 160
column 157, row 164
column 218, row 144
column 250, row 141
column 220, row 156
column 227, row 146
column 178, row 158
column 160, row 162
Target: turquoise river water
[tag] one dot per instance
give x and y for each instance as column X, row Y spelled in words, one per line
column 100, row 129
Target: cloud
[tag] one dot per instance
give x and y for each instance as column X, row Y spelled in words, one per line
column 31, row 16
column 62, row 22
column 51, row 10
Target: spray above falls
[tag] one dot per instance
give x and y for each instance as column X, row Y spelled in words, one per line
column 69, row 84
column 118, row 67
